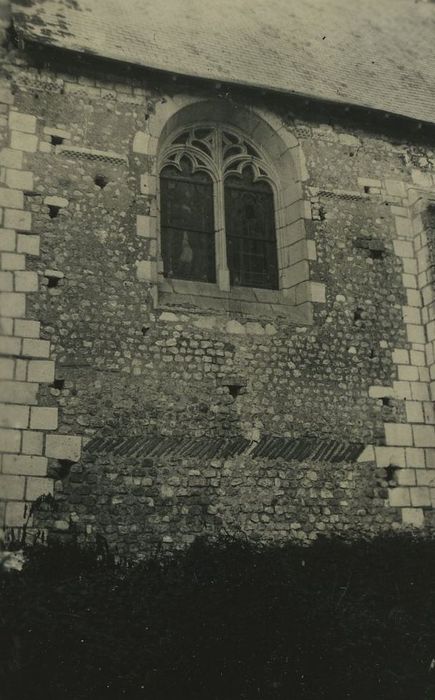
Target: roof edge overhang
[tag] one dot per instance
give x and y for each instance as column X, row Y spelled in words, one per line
column 27, row 39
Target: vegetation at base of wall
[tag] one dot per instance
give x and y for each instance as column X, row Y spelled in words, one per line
column 225, row 620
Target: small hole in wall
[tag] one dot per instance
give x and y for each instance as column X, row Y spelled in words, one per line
column 58, row 384
column 101, row 181
column 52, row 282
column 234, row 390
column 322, row 213
column 366, row 189
column 60, row 469
column 53, row 211
column 357, row 314
column 390, row 474
column 144, row 330
column 64, row 468
column 56, row 140
column 376, row 254
column 386, row 401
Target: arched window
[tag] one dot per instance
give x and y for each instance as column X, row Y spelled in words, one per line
column 250, row 231
column 217, row 207
column 187, row 222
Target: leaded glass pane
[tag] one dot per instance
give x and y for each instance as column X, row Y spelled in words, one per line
column 188, row 241
column 250, row 232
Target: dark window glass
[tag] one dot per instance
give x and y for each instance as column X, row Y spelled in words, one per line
column 250, row 232
column 188, row 241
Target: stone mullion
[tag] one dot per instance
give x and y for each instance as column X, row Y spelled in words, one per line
column 223, row 273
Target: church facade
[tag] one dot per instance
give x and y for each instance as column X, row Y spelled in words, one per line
column 217, row 302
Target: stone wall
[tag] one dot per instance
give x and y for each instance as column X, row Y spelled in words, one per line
column 95, row 344
column 143, row 504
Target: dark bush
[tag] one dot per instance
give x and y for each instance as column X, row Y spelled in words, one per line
column 223, row 621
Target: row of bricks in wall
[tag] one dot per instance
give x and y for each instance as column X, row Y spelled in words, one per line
column 412, row 496
column 419, row 410
column 34, row 446
column 24, row 445
column 20, row 377
column 23, row 467
column 15, row 280
column 418, row 318
column 403, row 390
column 415, row 480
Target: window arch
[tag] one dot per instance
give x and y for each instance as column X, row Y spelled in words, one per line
column 283, row 165
column 218, row 209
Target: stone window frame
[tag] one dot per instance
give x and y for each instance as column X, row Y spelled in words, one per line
column 282, row 152
column 264, row 170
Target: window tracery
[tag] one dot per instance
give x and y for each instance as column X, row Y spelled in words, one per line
column 218, row 209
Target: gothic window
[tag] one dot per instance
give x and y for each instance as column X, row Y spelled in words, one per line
column 217, row 210
column 187, row 223
column 250, row 231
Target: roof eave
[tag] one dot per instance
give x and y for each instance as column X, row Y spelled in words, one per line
column 25, row 37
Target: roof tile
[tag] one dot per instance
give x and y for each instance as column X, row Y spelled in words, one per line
column 376, row 53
